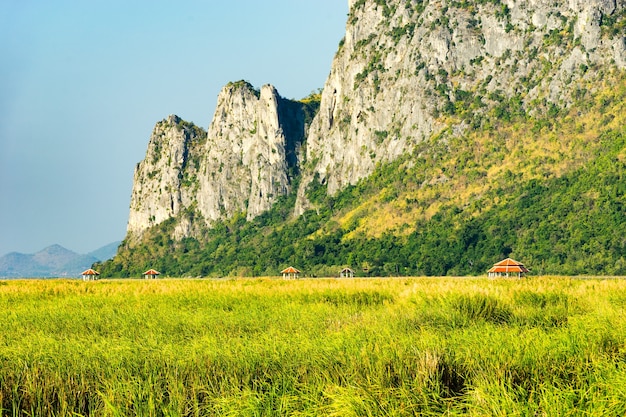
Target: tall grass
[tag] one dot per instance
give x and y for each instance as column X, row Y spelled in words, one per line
column 362, row 347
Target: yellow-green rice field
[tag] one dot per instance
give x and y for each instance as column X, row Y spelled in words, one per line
column 321, row 347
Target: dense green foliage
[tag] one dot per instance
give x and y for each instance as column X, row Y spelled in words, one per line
column 569, row 225
column 368, row 347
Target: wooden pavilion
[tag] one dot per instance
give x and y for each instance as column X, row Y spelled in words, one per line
column 507, row 268
column 90, row 275
column 290, row 273
column 151, row 274
column 346, row 273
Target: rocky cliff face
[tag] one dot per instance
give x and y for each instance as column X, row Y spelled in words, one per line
column 404, row 71
column 252, row 143
column 161, row 180
column 404, row 64
column 241, row 164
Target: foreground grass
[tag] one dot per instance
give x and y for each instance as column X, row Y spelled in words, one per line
column 363, row 347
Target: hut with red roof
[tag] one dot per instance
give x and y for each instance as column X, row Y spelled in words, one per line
column 507, row 268
column 151, row 274
column 90, row 275
column 290, row 273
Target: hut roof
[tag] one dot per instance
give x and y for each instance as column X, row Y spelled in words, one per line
column 90, row 272
column 151, row 272
column 290, row 270
column 508, row 265
column 347, row 269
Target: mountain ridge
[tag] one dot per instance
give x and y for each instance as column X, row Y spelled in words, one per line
column 432, row 111
column 53, row 261
column 242, row 163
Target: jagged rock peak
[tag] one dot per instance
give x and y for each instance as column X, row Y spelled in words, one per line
column 160, row 178
column 241, row 164
column 246, row 159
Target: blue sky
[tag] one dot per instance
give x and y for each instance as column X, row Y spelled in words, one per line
column 82, row 84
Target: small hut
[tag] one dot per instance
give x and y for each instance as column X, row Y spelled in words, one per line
column 346, row 273
column 151, row 274
column 507, row 268
column 90, row 275
column 290, row 273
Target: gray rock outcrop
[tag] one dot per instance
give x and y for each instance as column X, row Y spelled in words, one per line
column 240, row 165
column 406, row 70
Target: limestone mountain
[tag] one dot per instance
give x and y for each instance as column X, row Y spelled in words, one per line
column 246, row 159
column 439, row 116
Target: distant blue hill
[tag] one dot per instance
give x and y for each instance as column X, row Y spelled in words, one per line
column 106, row 252
column 53, row 261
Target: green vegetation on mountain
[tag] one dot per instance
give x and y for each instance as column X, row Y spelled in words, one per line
column 245, row 85
column 546, row 187
column 310, row 106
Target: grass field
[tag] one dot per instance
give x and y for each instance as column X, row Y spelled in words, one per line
column 330, row 347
